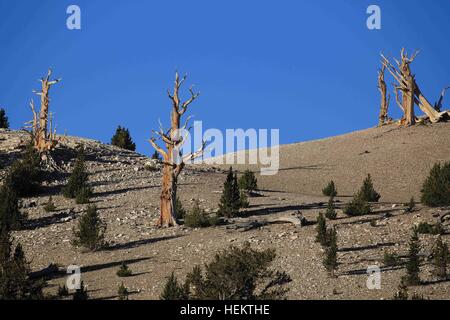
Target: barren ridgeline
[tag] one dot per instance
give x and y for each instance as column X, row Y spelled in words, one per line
column 136, row 226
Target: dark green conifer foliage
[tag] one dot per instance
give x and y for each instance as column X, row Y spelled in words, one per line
column 91, row 231
column 248, row 182
column 173, row 290
column 122, row 139
column 50, row 205
column 367, row 192
column 330, row 190
column 410, row 206
column 230, row 201
column 156, row 156
column 436, row 188
column 124, row 271
column 81, row 294
column 413, row 264
column 4, row 123
column 14, row 269
column 440, row 259
column 77, row 187
column 25, row 175
column 331, row 211
column 63, row 291
column 321, row 230
column 357, row 207
column 197, row 218
column 236, row 274
column 10, row 215
column 179, row 209
column 330, row 261
column 123, row 292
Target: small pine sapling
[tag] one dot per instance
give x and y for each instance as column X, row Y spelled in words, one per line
column 330, row 190
column 331, row 211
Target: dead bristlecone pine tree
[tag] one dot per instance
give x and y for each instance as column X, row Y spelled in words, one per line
column 408, row 93
column 173, row 161
column 385, row 98
column 42, row 132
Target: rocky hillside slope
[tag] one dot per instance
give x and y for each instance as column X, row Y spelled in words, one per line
column 127, row 197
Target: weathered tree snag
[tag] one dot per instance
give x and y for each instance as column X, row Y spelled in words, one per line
column 44, row 139
column 410, row 91
column 384, row 97
column 296, row 219
column 173, row 162
column 438, row 104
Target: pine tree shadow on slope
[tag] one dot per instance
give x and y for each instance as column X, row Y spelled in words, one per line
column 279, row 209
column 120, row 191
column 57, row 218
column 138, row 243
column 53, row 272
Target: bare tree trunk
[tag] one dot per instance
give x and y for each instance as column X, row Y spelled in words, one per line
column 384, row 105
column 172, row 164
column 408, row 102
column 43, row 138
column 411, row 94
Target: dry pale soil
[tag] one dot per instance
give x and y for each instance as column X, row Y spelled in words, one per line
column 127, row 197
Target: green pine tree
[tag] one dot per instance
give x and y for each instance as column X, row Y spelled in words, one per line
column 156, row 156
column 4, row 124
column 124, row 271
column 331, row 211
column 436, row 188
column 14, row 269
column 330, row 190
column 440, row 259
column 236, row 195
column 230, row 201
column 321, row 230
column 248, row 182
column 81, row 294
column 50, row 205
column 413, row 263
column 91, row 231
column 77, row 187
column 10, row 216
column 410, row 205
column 173, row 290
column 123, row 292
column 367, row 192
column 122, row 139
column 330, row 261
column 357, row 207
column 24, row 175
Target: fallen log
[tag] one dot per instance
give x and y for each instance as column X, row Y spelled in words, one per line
column 296, row 219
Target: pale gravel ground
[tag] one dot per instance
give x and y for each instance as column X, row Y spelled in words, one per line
column 128, row 202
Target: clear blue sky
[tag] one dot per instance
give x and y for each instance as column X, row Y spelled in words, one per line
column 305, row 67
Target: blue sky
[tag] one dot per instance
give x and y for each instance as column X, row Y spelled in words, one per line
column 305, row 67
